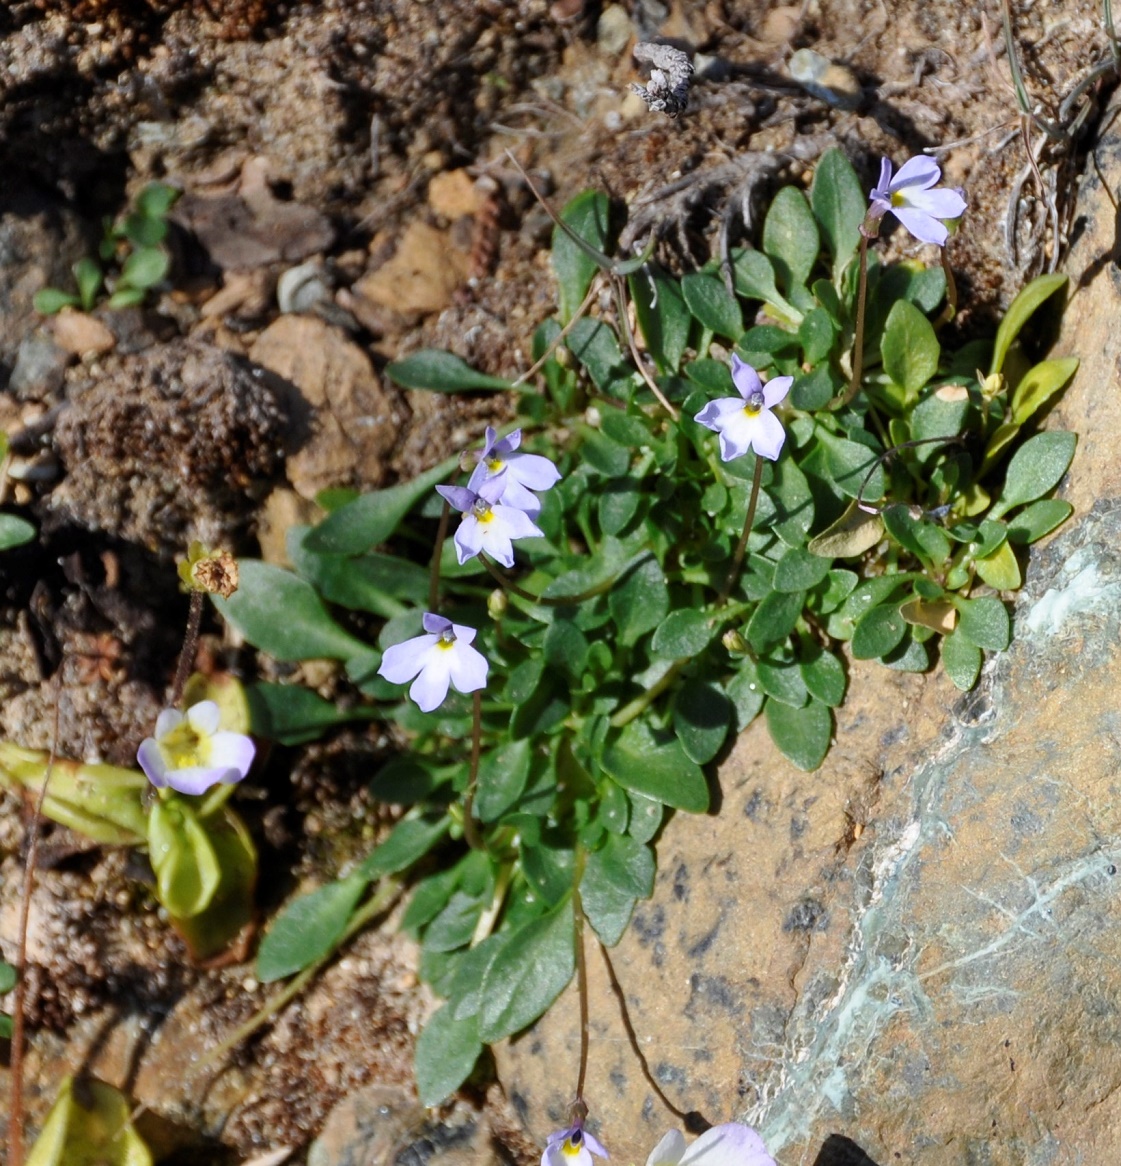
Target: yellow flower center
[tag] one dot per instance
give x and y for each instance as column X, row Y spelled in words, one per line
column 897, row 198
column 494, row 464
column 183, row 748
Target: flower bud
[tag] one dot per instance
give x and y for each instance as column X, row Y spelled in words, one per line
column 209, row 572
column 497, row 603
column 734, row 642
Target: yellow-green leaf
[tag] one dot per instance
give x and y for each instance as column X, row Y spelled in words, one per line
column 183, row 858
column 1000, row 569
column 1039, row 385
column 89, row 1125
column 855, row 532
column 1019, row 311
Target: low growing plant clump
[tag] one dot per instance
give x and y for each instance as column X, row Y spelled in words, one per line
column 695, row 521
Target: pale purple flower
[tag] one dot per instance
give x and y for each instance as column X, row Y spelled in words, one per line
column 730, row 1144
column 190, row 754
column 911, row 197
column 488, row 525
column 525, row 472
column 572, row 1147
column 746, row 422
column 441, row 657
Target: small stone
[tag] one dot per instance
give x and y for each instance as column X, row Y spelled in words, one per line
column 834, row 84
column 422, row 275
column 613, row 30
column 81, row 334
column 452, row 194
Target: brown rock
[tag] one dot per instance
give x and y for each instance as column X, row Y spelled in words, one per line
column 345, row 422
column 422, row 275
column 81, row 334
column 917, row 946
column 452, row 194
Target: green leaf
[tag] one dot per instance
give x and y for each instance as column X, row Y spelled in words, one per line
column 182, row 857
column 790, row 237
column 8, row 978
column 145, row 267
column 14, row 531
column 144, row 230
column 87, row 275
column 49, row 300
column 856, row 469
column 156, row 199
column 646, row 816
column 709, row 301
column 528, row 974
column 685, row 632
column 625, row 862
column 962, row 661
column 588, row 214
column 839, row 205
column 878, row 632
column 566, row 647
column 442, row 372
column 754, row 278
column 1040, row 383
column 372, row 518
column 824, row 675
column 282, row 615
column 816, row 334
column 372, row 582
column 909, row 347
column 411, row 839
column 1037, row 466
column 984, row 622
column 746, row 694
column 309, row 928
column 1019, row 312
column 701, row 713
column 1000, row 570
column 775, row 618
column 803, row 734
column 454, row 926
column 800, row 570
column 1038, row 519
column 662, row 315
column 655, row 765
column 602, row 454
column 90, row 1125
column 446, row 1052
column 639, row 601
column 781, row 679
column 814, row 390
column 291, row 714
column 607, row 906
column 126, row 297
column 548, row 868
column 920, row 537
column 794, row 503
column 503, row 773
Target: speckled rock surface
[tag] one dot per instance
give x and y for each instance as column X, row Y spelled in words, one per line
column 940, row 987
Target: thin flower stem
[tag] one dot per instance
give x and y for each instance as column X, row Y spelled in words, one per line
column 636, row 356
column 470, row 829
column 578, row 921
column 858, row 337
column 378, row 904
column 741, row 546
column 437, row 555
column 546, row 600
column 15, row 1103
column 557, row 340
column 693, row 1121
column 190, row 648
column 951, row 286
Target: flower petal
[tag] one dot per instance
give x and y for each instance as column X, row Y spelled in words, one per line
column 197, row 779
column 925, row 228
column 478, row 476
column 463, row 634
column 496, row 542
column 668, row 1151
column 731, row 1144
column 595, row 1145
column 919, row 171
column 509, row 443
column 467, row 668
column 401, row 662
column 737, row 433
column 745, row 378
column 151, row 761
column 232, row 751
column 939, row 204
column 882, row 189
column 491, row 489
column 775, row 390
column 468, row 539
column 768, row 436
column 168, row 720
column 431, row 686
column 436, row 624
column 514, row 523
column 710, row 416
column 204, row 717
column 460, row 498
column 534, row 471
